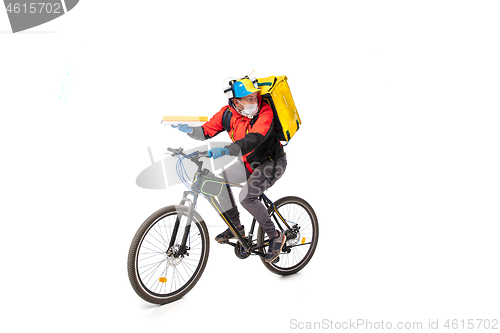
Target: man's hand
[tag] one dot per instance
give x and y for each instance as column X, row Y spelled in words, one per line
column 183, row 128
column 217, row 152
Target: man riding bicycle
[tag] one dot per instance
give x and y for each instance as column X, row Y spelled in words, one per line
column 262, row 161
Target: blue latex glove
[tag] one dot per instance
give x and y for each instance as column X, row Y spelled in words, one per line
column 183, row 128
column 218, row 152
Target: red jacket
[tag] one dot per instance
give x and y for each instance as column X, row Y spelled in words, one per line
column 256, row 138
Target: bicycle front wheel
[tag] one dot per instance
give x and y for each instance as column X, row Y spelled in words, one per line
column 158, row 272
column 302, row 233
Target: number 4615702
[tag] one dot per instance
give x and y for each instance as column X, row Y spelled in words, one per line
column 471, row 324
column 34, row 7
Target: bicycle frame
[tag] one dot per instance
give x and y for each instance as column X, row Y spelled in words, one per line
column 248, row 242
column 245, row 242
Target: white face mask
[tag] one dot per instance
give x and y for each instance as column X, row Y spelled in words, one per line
column 249, row 110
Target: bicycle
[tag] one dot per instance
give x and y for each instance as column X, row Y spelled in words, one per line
column 169, row 252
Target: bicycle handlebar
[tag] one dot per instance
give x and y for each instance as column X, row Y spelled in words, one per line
column 196, row 154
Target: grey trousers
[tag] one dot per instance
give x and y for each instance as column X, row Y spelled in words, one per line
column 256, row 183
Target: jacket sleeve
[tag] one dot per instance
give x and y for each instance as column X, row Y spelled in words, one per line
column 259, row 132
column 214, row 126
column 198, row 133
column 209, row 129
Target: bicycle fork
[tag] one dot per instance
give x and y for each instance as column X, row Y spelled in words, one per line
column 187, row 228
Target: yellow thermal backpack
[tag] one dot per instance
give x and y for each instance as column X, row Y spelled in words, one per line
column 275, row 91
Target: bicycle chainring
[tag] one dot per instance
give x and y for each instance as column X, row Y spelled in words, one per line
column 240, row 251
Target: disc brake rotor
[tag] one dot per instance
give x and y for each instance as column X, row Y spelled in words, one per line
column 172, row 258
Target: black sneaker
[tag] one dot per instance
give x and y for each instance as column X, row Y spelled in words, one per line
column 275, row 247
column 228, row 234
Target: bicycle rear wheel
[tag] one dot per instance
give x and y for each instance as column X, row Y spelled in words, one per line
column 158, row 273
column 302, row 235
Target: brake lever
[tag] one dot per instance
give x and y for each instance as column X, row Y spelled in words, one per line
column 175, row 151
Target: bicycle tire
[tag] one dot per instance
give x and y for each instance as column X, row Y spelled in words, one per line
column 296, row 204
column 142, row 241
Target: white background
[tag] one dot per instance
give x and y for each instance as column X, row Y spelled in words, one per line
column 398, row 154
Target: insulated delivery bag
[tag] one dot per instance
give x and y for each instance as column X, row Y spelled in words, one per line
column 275, row 91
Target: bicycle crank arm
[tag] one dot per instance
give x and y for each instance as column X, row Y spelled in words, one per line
column 290, row 246
column 228, row 243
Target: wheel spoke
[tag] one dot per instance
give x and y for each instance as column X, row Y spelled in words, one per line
column 296, row 215
column 165, row 276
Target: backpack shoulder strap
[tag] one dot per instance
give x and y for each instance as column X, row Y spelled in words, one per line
column 254, row 119
column 226, row 120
